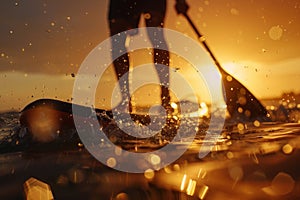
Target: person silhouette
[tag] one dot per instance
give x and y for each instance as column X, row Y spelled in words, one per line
column 124, row 15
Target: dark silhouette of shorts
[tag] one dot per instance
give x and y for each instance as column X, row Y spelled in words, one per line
column 125, row 14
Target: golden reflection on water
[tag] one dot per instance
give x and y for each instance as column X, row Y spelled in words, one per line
column 259, row 163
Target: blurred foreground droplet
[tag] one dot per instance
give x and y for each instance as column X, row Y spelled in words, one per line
column 122, row 196
column 282, row 184
column 149, row 174
column 190, row 190
column 36, row 189
column 287, row 149
column 202, row 192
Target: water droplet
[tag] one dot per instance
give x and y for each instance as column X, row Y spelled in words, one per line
column 200, row 9
column 190, row 190
column 240, row 127
column 176, row 167
column 202, row 38
column 111, row 162
column 168, row 170
column 242, row 100
column 154, row 159
column 229, row 78
column 275, row 32
column 118, row 151
column 236, row 173
column 80, row 145
column 183, row 182
column 243, row 91
column 248, row 113
column 229, row 155
column 256, row 123
column 282, row 184
column 122, row 196
column 240, row 110
column 202, row 192
column 287, row 149
column 234, row 11
column 147, row 16
column 149, row 174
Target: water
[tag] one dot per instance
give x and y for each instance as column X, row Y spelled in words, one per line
column 249, row 161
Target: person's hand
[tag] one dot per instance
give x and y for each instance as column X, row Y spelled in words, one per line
column 181, row 7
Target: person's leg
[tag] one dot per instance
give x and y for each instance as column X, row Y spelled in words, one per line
column 120, row 63
column 123, row 16
column 161, row 54
column 161, row 62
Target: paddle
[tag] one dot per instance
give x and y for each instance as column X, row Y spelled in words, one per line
column 242, row 105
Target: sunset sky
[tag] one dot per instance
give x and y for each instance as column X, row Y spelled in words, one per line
column 44, row 42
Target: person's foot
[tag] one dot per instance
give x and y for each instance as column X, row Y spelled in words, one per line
column 166, row 101
column 124, row 111
column 169, row 109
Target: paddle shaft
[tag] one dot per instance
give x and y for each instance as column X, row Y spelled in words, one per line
column 202, row 40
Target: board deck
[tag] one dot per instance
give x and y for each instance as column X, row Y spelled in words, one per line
column 44, row 119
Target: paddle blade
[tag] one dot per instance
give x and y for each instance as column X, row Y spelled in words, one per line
column 242, row 105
